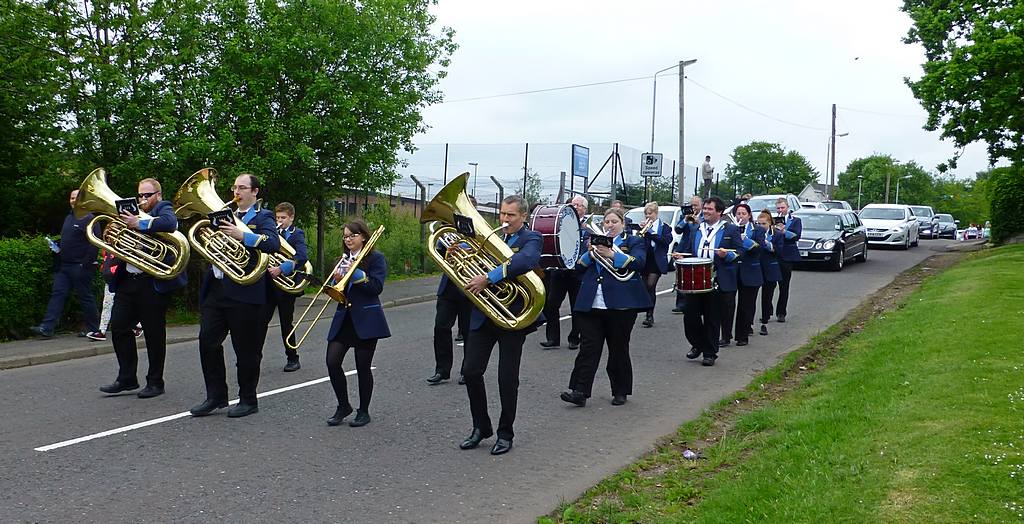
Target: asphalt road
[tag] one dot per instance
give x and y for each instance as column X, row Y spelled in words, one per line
column 286, row 464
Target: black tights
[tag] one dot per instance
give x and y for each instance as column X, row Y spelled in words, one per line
column 651, row 282
column 364, row 357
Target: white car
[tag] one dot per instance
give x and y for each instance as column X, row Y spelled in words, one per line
column 668, row 215
column 890, row 224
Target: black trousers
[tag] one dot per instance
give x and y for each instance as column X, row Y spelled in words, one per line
column 728, row 305
column 136, row 301
column 451, row 305
column 787, row 275
column 220, row 315
column 559, row 283
column 702, row 321
column 479, row 345
column 745, row 307
column 284, row 303
column 599, row 326
column 767, row 295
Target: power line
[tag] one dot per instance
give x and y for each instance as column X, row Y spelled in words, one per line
column 561, row 88
column 752, row 110
column 877, row 113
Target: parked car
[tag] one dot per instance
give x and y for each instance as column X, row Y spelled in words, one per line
column 927, row 222
column 890, row 224
column 832, row 237
column 761, row 202
column 837, row 204
column 812, row 205
column 668, row 215
column 946, row 226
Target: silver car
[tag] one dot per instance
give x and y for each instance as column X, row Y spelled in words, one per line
column 890, row 224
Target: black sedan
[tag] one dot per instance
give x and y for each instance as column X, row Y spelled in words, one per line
column 832, row 237
column 946, row 227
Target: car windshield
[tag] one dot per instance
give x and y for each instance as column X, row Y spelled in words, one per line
column 922, row 211
column 818, row 222
column 833, row 205
column 945, row 218
column 882, row 213
column 758, row 203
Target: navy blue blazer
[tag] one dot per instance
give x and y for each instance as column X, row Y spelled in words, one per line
column 750, row 263
column 297, row 239
column 527, row 246
column 364, row 288
column 631, row 294
column 771, row 246
column 657, row 254
column 794, row 228
column 726, row 269
column 163, row 221
column 262, row 236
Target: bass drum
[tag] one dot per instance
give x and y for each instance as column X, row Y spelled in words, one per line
column 560, row 228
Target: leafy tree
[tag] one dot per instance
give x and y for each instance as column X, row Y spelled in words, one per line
column 876, row 176
column 534, row 189
column 973, row 73
column 764, row 167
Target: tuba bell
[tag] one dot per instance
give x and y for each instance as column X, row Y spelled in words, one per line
column 198, row 197
column 510, row 304
column 161, row 255
column 296, row 282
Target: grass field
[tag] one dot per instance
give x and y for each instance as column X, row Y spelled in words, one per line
column 916, row 416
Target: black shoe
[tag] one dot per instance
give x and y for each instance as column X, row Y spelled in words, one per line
column 742, row 342
column 459, row 337
column 708, row 361
column 648, row 322
column 151, row 391
column 677, row 311
column 501, row 446
column 574, row 397
column 117, row 386
column 243, row 409
column 764, row 329
column 618, row 400
column 723, row 343
column 38, row 330
column 437, row 378
column 362, row 419
column 292, row 365
column 462, row 380
column 339, row 415
column 750, row 330
column 474, row 438
column 547, row 344
column 780, row 318
column 694, row 353
column 207, row 407
column 574, row 345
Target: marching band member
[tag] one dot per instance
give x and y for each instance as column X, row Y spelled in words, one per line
column 225, row 306
column 717, row 240
column 451, row 305
column 607, row 310
column 484, row 334
column 656, row 240
column 770, row 248
column 791, row 229
column 283, row 301
column 750, row 275
column 687, row 220
column 138, row 297
column 357, row 324
column 560, row 282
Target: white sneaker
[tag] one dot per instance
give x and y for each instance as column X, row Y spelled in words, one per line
column 98, row 336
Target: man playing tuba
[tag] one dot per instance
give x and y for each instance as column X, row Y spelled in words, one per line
column 138, row 297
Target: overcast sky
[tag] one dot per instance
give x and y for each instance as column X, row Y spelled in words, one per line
column 790, row 60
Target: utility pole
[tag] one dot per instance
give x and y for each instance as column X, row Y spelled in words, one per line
column 832, row 179
column 682, row 165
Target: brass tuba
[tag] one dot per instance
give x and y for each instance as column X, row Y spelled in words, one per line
column 198, row 196
column 468, row 256
column 620, row 274
column 334, row 289
column 296, row 282
column 162, row 255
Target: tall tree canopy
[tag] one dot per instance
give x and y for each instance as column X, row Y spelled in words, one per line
column 972, row 79
column 765, row 167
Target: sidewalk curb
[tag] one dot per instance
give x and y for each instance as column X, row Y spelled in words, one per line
column 103, row 349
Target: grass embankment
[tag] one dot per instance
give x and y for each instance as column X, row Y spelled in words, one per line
column 910, row 413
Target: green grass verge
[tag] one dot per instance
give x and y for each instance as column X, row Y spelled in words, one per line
column 916, row 416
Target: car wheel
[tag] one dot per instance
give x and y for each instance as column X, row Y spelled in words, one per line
column 906, row 242
column 839, row 260
column 863, row 256
column 916, row 241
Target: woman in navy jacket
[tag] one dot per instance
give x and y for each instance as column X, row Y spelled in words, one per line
column 357, row 324
column 750, row 274
column 607, row 308
column 656, row 240
column 771, row 246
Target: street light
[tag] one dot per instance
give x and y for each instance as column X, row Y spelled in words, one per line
column 860, row 185
column 898, row 187
column 654, row 102
column 474, row 164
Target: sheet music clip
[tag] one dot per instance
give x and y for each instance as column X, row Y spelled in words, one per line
column 464, row 225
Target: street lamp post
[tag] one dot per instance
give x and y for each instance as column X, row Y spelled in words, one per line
column 474, row 164
column 860, row 185
column 832, row 162
column 654, row 102
column 682, row 166
column 898, row 187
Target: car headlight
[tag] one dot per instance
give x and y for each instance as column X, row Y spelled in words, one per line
column 828, row 244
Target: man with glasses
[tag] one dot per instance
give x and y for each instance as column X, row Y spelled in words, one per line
column 561, row 282
column 225, row 306
column 138, row 297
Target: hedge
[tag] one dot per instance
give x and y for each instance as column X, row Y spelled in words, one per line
column 1006, row 195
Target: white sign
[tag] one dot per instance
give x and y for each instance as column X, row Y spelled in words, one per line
column 650, row 164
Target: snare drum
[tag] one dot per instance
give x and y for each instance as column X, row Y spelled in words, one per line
column 560, row 228
column 695, row 275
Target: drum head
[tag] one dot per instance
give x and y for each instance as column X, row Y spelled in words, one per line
column 695, row 261
column 569, row 241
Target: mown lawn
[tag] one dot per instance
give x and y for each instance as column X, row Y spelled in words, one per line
column 918, row 417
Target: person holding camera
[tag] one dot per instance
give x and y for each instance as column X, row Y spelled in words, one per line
column 689, row 217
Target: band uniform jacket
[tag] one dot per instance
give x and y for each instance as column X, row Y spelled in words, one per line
column 163, row 221
column 657, row 255
column 791, row 234
column 631, row 294
column 262, row 236
column 363, row 294
column 297, row 239
column 526, row 246
column 729, row 237
column 771, row 246
column 750, row 263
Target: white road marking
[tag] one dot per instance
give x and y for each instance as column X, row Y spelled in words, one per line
column 161, row 420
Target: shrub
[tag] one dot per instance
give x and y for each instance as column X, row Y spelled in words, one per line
column 400, row 244
column 1006, row 194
